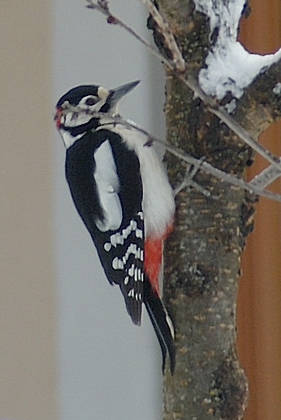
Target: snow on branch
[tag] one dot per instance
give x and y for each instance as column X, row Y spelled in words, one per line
column 230, row 68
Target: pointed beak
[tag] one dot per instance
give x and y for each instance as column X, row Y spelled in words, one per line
column 116, row 94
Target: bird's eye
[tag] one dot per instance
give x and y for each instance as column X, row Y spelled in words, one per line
column 91, row 101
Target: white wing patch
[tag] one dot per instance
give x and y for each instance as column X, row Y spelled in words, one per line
column 158, row 199
column 107, row 182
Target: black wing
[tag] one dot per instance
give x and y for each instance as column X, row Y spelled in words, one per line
column 105, row 184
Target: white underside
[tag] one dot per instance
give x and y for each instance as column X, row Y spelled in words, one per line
column 158, row 199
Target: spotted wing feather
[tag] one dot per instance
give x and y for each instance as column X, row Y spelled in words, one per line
column 122, row 257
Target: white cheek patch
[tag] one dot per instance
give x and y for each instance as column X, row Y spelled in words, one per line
column 107, row 183
column 74, row 119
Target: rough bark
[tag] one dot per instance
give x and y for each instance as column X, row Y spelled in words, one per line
column 202, row 254
column 260, row 106
column 202, row 257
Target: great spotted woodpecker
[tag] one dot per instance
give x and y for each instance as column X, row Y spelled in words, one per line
column 121, row 191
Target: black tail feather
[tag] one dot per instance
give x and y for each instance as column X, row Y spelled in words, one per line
column 162, row 324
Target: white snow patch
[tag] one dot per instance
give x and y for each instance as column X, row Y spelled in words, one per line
column 229, row 67
column 277, row 89
column 219, row 13
column 231, row 106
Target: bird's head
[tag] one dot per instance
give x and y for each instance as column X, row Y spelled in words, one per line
column 81, row 109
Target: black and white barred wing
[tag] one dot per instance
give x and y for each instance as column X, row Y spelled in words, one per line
column 122, row 258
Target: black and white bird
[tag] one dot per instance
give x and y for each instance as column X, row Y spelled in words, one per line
column 121, row 192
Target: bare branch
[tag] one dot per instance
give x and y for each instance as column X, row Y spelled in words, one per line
column 102, row 6
column 198, row 164
column 266, row 177
column 189, row 81
column 245, row 136
column 167, row 34
column 191, row 171
column 113, row 19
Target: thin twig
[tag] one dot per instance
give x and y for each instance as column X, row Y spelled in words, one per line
column 103, row 7
column 245, row 136
column 113, row 19
column 266, row 177
column 187, row 182
column 198, row 164
column 167, row 34
column 191, row 83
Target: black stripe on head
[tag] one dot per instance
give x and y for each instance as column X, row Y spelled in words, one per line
column 74, row 96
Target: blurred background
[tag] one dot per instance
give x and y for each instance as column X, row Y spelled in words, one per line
column 68, row 350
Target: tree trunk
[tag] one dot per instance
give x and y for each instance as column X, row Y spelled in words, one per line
column 202, row 254
column 202, row 258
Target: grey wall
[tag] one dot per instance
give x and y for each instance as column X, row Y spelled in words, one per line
column 109, row 368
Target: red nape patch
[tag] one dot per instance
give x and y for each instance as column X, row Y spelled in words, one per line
column 57, row 117
column 152, row 260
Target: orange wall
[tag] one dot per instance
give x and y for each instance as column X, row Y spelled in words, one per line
column 259, row 297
